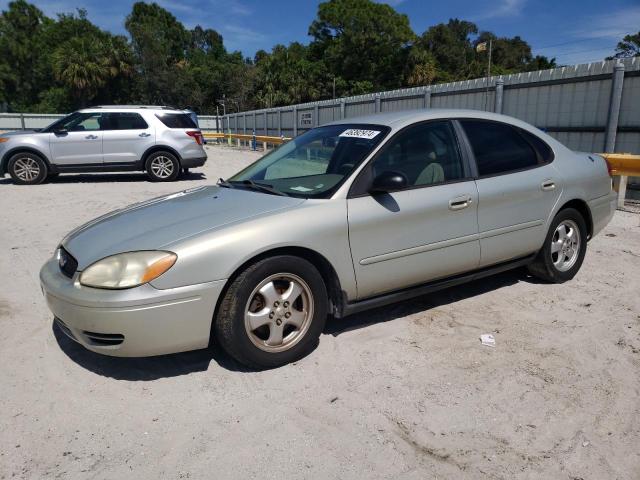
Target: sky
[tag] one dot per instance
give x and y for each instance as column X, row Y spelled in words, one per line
column 572, row 31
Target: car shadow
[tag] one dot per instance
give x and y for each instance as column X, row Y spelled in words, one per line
column 426, row 302
column 145, row 368
column 177, row 364
column 108, row 178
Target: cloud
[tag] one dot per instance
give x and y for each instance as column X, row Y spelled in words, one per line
column 244, row 39
column 610, row 25
column 505, row 8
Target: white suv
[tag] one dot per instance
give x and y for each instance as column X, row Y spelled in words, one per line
column 159, row 140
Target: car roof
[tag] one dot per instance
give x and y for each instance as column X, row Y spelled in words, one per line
column 397, row 120
column 132, row 108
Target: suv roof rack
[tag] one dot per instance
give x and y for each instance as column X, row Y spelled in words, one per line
column 153, row 107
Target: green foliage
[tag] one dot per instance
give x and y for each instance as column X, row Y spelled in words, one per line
column 357, row 46
column 628, row 47
column 361, row 41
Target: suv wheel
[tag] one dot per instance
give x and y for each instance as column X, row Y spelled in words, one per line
column 273, row 312
column 163, row 167
column 27, row 168
column 564, row 248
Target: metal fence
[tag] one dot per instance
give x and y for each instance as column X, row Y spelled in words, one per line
column 22, row 121
column 591, row 107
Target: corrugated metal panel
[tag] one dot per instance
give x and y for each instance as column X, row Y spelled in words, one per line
column 630, row 105
column 328, row 113
column 395, row 104
column 362, row 108
column 628, row 143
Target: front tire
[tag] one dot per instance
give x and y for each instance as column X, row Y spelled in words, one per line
column 27, row 169
column 162, row 167
column 564, row 248
column 273, row 312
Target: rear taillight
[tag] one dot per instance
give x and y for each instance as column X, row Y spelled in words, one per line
column 197, row 136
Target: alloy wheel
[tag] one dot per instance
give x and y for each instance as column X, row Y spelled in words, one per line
column 279, row 312
column 162, row 167
column 565, row 245
column 26, row 169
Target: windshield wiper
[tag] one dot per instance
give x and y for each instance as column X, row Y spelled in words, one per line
column 262, row 187
column 223, row 183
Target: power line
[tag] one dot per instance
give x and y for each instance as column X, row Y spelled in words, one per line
column 623, row 33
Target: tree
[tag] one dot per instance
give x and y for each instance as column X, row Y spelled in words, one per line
column 361, row 42
column 451, row 47
column 628, row 47
column 23, row 59
column 159, row 43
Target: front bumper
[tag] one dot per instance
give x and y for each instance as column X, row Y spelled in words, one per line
column 136, row 322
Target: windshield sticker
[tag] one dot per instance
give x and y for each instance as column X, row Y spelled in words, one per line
column 358, row 133
column 301, row 189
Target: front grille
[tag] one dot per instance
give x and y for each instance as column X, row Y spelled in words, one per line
column 68, row 265
column 104, row 339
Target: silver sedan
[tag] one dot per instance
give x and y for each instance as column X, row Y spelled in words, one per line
column 348, row 216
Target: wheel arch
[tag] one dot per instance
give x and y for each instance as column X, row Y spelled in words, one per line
column 337, row 298
column 159, row 148
column 582, row 207
column 4, row 164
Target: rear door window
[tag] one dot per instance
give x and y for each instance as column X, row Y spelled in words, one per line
column 498, row 147
column 126, row 121
column 177, row 120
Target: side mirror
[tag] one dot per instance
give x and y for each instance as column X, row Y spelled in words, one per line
column 388, row 182
column 60, row 131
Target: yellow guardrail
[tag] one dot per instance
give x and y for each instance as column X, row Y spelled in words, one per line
column 623, row 164
column 246, row 138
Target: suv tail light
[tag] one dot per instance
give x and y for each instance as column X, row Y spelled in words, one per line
column 197, row 135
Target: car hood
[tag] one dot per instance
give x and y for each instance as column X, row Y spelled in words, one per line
column 15, row 133
column 164, row 220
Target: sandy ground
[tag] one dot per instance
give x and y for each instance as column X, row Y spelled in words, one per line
column 405, row 391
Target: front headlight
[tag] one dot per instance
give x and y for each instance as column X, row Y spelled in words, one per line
column 127, row 270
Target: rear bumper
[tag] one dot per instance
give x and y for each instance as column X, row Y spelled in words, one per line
column 193, row 162
column 602, row 210
column 137, row 322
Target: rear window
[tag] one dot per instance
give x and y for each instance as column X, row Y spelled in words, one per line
column 176, row 120
column 498, row 147
column 126, row 121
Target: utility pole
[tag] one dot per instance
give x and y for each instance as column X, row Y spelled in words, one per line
column 486, row 92
column 334, row 87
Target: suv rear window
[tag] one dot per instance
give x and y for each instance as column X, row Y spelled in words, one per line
column 125, row 121
column 176, row 120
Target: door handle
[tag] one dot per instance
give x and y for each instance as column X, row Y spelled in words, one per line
column 548, row 185
column 91, row 137
column 144, row 134
column 459, row 203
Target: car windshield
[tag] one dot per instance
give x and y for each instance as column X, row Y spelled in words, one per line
column 61, row 121
column 316, row 163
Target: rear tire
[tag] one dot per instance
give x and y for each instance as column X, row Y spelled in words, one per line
column 162, row 167
column 273, row 312
column 27, row 168
column 564, row 248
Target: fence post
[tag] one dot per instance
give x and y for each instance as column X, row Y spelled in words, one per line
column 266, row 126
column 22, row 121
column 316, row 116
column 377, row 100
column 295, row 122
column 427, row 98
column 342, row 108
column 499, row 94
column 244, row 123
column 619, row 182
column 279, row 122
